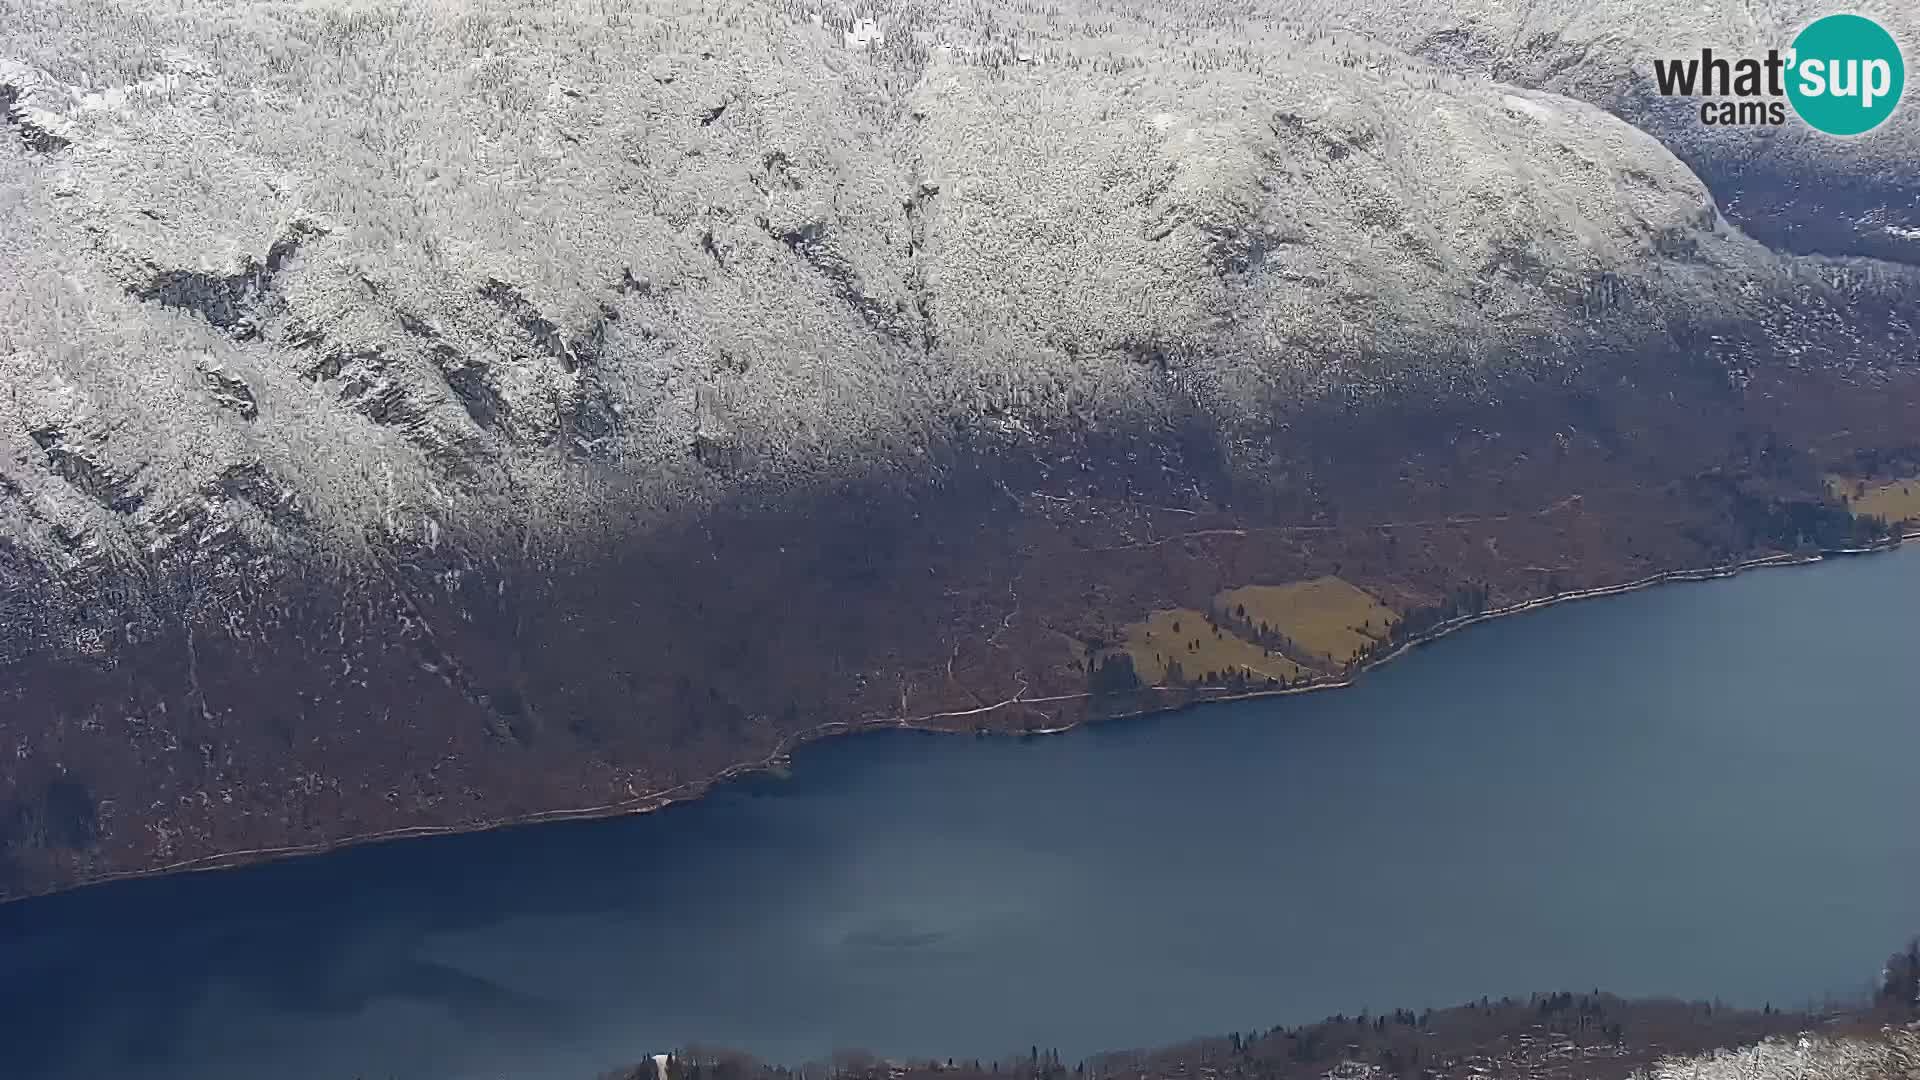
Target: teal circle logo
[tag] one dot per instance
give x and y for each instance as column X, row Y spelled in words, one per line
column 1847, row 74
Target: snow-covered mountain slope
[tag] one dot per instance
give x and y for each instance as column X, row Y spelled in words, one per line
column 1789, row 185
column 336, row 334
column 363, row 254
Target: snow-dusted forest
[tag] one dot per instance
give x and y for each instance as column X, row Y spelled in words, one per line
column 373, row 248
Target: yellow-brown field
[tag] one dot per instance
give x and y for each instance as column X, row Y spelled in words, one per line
column 1331, row 619
column 1155, row 645
column 1894, row 500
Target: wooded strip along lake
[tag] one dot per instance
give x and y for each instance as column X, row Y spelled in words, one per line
column 1699, row 790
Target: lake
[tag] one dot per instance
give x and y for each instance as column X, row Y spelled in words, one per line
column 1699, row 790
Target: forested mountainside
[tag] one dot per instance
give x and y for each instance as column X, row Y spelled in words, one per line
column 1552, row 1037
column 421, row 416
column 1565, row 1035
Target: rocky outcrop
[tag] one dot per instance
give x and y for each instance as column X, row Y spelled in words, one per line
column 32, row 105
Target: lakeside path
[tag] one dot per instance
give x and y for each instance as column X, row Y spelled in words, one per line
column 642, row 803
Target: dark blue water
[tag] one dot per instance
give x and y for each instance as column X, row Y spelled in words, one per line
column 1696, row 790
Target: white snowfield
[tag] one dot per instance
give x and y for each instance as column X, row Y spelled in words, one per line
column 348, row 262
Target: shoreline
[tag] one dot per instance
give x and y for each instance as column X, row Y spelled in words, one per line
column 929, row 723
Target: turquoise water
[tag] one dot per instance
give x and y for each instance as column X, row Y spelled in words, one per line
column 1700, row 789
